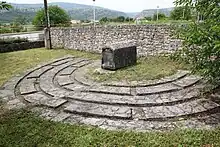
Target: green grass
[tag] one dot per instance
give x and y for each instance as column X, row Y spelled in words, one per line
column 16, row 62
column 24, row 129
column 149, row 68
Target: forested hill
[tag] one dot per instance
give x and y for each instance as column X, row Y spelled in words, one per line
column 76, row 11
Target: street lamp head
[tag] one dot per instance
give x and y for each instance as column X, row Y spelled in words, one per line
column 93, row 0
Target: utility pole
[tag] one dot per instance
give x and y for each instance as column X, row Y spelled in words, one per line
column 94, row 12
column 157, row 13
column 47, row 29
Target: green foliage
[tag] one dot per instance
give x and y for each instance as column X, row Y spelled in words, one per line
column 161, row 16
column 4, row 6
column 12, row 28
column 117, row 19
column 181, row 13
column 9, row 16
column 87, row 13
column 57, row 16
column 22, row 20
column 148, row 18
column 120, row 19
column 104, row 20
column 201, row 40
column 128, row 19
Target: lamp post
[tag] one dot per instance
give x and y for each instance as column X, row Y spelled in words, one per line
column 94, row 12
column 157, row 12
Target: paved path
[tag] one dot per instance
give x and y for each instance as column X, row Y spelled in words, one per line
column 60, row 91
column 32, row 36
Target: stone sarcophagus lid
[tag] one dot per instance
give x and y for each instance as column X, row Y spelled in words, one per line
column 119, row 55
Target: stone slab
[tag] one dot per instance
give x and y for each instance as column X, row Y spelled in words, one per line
column 47, row 84
column 62, row 62
column 35, row 98
column 178, row 110
column 64, row 80
column 27, row 86
column 40, row 99
column 37, row 73
column 61, row 117
column 180, row 74
column 81, row 64
column 110, row 90
column 156, row 89
column 15, row 104
column 74, row 87
column 67, row 71
column 53, row 103
column 48, row 114
column 98, row 110
column 187, row 81
column 108, row 98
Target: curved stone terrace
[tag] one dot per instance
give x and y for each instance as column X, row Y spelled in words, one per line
column 60, row 91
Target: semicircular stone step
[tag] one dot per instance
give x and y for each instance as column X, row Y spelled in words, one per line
column 47, row 84
column 98, row 110
column 41, row 99
column 38, row 72
column 62, row 61
column 82, row 63
column 188, row 81
column 109, row 90
column 67, row 71
column 184, row 110
column 146, row 100
column 64, row 80
column 180, row 74
column 162, row 88
column 175, row 111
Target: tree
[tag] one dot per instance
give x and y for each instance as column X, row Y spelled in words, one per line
column 22, row 20
column 161, row 16
column 104, row 19
column 181, row 13
column 57, row 16
column 4, row 6
column 148, row 18
column 201, row 40
column 120, row 19
column 128, row 19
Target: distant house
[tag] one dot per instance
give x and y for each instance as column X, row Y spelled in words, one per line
column 75, row 21
column 138, row 20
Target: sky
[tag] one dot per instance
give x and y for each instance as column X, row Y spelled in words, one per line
column 120, row 5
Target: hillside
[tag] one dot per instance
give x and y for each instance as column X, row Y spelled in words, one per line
column 76, row 11
column 151, row 12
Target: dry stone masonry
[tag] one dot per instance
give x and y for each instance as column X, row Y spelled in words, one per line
column 150, row 39
column 60, row 91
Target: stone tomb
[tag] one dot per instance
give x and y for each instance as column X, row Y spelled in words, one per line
column 119, row 55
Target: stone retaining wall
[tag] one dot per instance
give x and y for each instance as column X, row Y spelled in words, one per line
column 20, row 46
column 150, row 39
